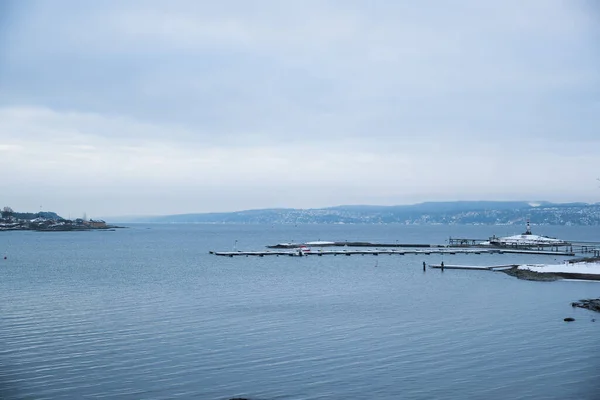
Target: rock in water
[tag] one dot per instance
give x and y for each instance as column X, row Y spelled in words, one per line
column 569, row 319
column 590, row 304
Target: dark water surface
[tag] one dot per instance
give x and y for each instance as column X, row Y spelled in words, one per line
column 147, row 313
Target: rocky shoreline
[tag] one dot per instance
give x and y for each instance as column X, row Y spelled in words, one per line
column 531, row 275
column 589, row 304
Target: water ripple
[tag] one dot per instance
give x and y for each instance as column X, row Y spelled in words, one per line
column 141, row 324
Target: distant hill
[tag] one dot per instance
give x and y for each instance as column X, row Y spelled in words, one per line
column 459, row 212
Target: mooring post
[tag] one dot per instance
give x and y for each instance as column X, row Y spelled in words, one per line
column 442, row 265
column 423, row 266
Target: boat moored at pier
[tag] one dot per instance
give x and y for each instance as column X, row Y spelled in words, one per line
column 526, row 239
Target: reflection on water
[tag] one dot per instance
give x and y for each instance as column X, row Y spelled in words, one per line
column 148, row 313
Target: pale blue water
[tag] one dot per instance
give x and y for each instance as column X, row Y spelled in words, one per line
column 147, row 313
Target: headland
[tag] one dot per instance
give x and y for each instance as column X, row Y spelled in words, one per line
column 48, row 222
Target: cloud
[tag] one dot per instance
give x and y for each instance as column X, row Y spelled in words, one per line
column 299, row 103
column 56, row 158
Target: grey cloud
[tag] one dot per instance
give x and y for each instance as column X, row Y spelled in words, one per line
column 377, row 80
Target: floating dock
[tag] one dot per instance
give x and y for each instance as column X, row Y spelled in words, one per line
column 377, row 252
column 526, row 243
column 475, row 267
column 351, row 244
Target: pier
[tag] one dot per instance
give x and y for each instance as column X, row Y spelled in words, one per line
column 459, row 245
column 475, row 267
column 351, row 244
column 377, row 252
column 526, row 243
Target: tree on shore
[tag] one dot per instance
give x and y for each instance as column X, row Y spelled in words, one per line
column 7, row 212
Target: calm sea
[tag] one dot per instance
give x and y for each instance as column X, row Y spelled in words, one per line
column 147, row 313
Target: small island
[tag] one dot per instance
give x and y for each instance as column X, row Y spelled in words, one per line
column 47, row 222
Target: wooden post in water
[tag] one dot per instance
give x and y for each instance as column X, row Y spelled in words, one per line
column 423, row 266
column 442, row 265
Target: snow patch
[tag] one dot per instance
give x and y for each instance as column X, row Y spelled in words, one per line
column 590, row 268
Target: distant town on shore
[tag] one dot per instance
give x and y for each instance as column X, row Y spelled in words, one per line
column 431, row 213
column 46, row 221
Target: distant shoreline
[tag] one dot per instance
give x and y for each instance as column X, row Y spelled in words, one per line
column 433, row 213
column 62, row 229
column 52, row 224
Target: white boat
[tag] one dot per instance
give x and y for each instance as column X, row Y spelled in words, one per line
column 525, row 239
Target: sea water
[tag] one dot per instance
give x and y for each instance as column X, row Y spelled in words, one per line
column 147, row 313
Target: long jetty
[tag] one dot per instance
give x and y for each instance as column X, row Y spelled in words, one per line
column 567, row 248
column 351, row 244
column 454, row 246
column 475, row 267
column 377, row 252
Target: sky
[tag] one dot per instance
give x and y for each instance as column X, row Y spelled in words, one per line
column 150, row 107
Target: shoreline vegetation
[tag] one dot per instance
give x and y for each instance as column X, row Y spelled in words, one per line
column 48, row 222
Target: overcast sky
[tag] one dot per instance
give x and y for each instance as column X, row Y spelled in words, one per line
column 161, row 107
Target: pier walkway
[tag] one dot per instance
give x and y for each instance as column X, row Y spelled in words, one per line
column 475, row 267
column 377, row 252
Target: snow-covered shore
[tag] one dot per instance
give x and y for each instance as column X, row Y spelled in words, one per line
column 588, row 268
